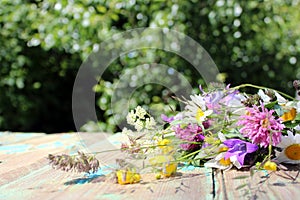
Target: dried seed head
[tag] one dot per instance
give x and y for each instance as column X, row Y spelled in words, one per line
column 296, row 84
column 78, row 163
column 252, row 100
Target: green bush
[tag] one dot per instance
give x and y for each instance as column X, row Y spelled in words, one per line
column 43, row 43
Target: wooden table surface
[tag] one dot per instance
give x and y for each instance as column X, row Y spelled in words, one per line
column 25, row 174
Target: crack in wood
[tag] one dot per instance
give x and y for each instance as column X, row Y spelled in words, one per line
column 224, row 186
column 213, row 184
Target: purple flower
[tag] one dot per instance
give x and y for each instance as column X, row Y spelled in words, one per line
column 217, row 99
column 258, row 124
column 239, row 148
column 212, row 100
column 165, row 118
column 190, row 133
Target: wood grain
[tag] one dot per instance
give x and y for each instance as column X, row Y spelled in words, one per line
column 263, row 185
column 25, row 174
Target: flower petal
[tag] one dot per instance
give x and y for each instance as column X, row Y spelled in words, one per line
column 232, row 142
column 251, row 147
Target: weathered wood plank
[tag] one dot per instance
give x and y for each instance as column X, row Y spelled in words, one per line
column 25, row 174
column 27, row 155
column 263, row 185
column 41, row 181
column 50, row 184
column 276, row 185
column 11, row 138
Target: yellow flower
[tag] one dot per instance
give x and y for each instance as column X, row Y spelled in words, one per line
column 169, row 169
column 289, row 116
column 269, row 165
column 163, row 142
column 127, row 177
column 164, row 146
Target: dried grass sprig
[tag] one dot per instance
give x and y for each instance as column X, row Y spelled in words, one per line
column 78, row 163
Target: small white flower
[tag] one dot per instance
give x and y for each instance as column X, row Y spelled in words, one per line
column 131, row 117
column 150, row 123
column 127, row 131
column 140, row 112
column 139, row 125
column 290, row 145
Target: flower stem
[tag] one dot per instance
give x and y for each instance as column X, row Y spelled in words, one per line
column 261, row 87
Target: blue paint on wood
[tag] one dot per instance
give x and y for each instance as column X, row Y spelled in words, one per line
column 11, row 149
column 185, row 168
column 51, row 145
column 66, row 136
column 92, row 177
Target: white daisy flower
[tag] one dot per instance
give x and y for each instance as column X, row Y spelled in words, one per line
column 263, row 96
column 196, row 109
column 198, row 100
column 221, row 163
column 298, row 107
column 202, row 115
column 281, row 100
column 297, row 128
column 290, row 145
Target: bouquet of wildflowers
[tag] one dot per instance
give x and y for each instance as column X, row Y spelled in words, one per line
column 219, row 128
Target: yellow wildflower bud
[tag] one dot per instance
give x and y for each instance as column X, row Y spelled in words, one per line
column 158, row 176
column 269, row 165
column 127, row 177
column 169, row 169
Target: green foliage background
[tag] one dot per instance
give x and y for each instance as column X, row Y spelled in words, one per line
column 43, row 43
